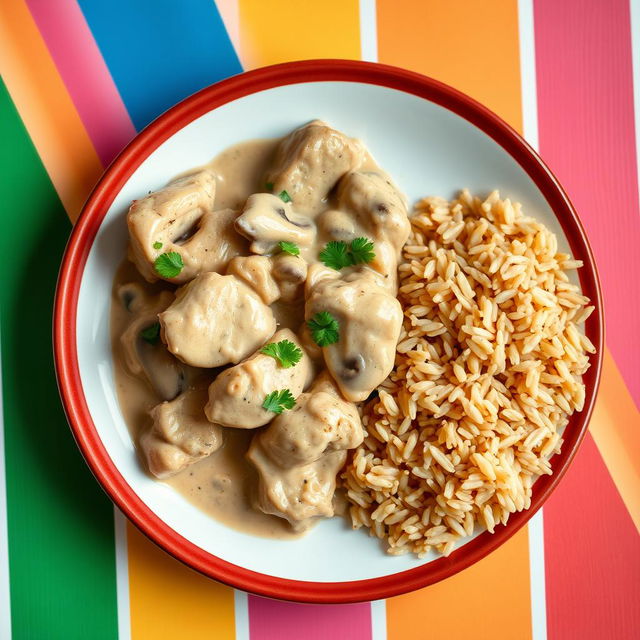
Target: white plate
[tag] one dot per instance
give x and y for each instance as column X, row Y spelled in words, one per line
column 427, row 149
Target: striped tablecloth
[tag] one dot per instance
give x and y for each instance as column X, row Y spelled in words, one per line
column 80, row 77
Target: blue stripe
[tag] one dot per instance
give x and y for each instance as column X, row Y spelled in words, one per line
column 160, row 51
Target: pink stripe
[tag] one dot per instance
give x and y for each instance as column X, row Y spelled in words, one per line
column 592, row 555
column 586, row 129
column 85, row 75
column 274, row 620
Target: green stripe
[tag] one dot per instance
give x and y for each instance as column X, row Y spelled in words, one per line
column 61, row 537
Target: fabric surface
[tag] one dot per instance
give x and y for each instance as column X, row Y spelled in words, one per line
column 80, row 77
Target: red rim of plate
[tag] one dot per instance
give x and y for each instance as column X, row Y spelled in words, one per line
column 81, row 241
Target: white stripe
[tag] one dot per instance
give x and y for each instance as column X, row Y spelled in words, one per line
column 368, row 31
column 528, row 72
column 635, row 57
column 122, row 575
column 379, row 620
column 241, row 611
column 537, row 580
column 530, row 132
column 230, row 13
column 5, row 592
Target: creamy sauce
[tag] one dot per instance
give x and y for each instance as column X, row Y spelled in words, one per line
column 225, row 484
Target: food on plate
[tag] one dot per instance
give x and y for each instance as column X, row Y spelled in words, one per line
column 269, row 279
column 487, row 375
column 289, row 340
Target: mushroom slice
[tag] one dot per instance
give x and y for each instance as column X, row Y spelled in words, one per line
column 180, row 434
column 310, row 161
column 267, row 220
column 237, row 394
column 369, row 319
column 149, row 357
column 180, row 218
column 216, row 320
column 300, row 453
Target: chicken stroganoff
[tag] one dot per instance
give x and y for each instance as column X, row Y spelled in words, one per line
column 255, row 315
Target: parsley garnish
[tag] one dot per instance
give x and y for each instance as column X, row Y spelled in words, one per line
column 324, row 329
column 284, row 196
column 289, row 247
column 338, row 254
column 151, row 334
column 268, row 186
column 168, row 265
column 157, row 245
column 362, row 250
column 285, row 352
column 278, row 401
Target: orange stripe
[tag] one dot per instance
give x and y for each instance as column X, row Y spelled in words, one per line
column 472, row 46
column 284, row 30
column 615, row 427
column 490, row 599
column 46, row 108
column 170, row 601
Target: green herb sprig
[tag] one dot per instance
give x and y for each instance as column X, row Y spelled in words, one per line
column 285, row 352
column 337, row 254
column 289, row 247
column 278, row 401
column 168, row 265
column 324, row 328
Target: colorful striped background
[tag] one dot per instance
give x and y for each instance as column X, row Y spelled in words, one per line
column 80, row 77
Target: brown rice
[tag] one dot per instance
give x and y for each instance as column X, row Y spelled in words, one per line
column 487, row 374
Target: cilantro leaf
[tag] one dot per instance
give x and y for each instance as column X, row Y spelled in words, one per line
column 289, row 247
column 278, row 401
column 285, row 352
column 168, row 265
column 268, row 186
column 361, row 251
column 151, row 334
column 338, row 254
column 157, row 245
column 284, row 196
column 324, row 329
column 335, row 255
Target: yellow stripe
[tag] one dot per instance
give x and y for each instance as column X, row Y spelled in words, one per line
column 284, row 30
column 45, row 107
column 615, row 427
column 167, row 600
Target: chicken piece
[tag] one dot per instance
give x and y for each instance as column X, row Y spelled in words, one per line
column 369, row 318
column 216, row 320
column 370, row 205
column 301, row 452
column 237, row 394
column 321, row 421
column 149, row 358
column 181, row 219
column 379, row 209
column 310, row 161
column 267, row 220
column 272, row 278
column 290, row 272
column 180, row 434
column 255, row 271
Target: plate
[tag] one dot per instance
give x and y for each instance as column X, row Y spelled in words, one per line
column 432, row 140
